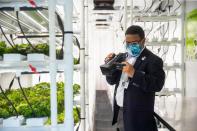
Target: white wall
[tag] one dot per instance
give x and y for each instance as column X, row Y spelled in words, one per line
column 191, row 66
column 191, row 79
column 101, row 43
column 103, row 46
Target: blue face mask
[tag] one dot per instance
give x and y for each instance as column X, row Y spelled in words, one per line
column 134, row 49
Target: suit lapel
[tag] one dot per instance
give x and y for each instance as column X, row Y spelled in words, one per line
column 140, row 59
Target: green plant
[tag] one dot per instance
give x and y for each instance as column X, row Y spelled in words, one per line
column 191, row 27
column 76, row 89
column 191, row 36
column 39, row 97
column 3, row 47
column 61, row 116
column 9, row 50
column 59, row 54
column 25, row 49
column 42, row 48
column 75, row 114
column 4, row 113
column 76, row 61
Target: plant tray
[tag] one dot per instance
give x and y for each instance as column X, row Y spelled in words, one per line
column 164, row 39
column 154, row 39
column 175, row 39
column 13, row 121
column 1, row 121
column 13, row 57
column 37, row 57
column 36, row 121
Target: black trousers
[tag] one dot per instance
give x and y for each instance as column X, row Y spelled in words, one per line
column 120, row 121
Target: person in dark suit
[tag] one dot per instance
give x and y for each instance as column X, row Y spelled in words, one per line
column 145, row 76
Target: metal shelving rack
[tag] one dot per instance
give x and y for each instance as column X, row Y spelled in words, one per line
column 23, row 66
column 52, row 65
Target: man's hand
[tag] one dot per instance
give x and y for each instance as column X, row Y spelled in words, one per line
column 109, row 57
column 128, row 69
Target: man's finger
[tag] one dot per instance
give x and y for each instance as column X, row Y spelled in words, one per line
column 126, row 63
column 111, row 55
column 107, row 58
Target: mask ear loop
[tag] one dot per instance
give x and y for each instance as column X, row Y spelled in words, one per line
column 124, row 44
column 144, row 42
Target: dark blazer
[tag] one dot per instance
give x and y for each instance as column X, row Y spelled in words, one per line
column 139, row 97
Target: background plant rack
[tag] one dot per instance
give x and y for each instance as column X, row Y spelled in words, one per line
column 161, row 18
column 164, row 43
column 158, row 19
column 148, row 16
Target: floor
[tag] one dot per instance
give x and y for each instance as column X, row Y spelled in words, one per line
column 179, row 112
column 103, row 116
column 25, row 128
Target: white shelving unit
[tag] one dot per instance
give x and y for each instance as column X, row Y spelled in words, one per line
column 23, row 66
column 51, row 65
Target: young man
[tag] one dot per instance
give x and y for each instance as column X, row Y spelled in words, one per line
column 136, row 84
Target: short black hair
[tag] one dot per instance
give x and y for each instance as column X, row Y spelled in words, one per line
column 135, row 30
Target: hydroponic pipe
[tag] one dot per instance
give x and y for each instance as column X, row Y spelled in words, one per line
column 125, row 15
column 19, row 24
column 152, row 3
column 22, row 8
column 87, row 67
column 69, row 65
column 33, row 112
column 6, row 37
column 11, row 83
column 53, row 65
column 61, row 25
column 82, row 70
column 42, row 72
column 183, row 36
column 11, row 37
column 37, row 36
column 131, row 12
